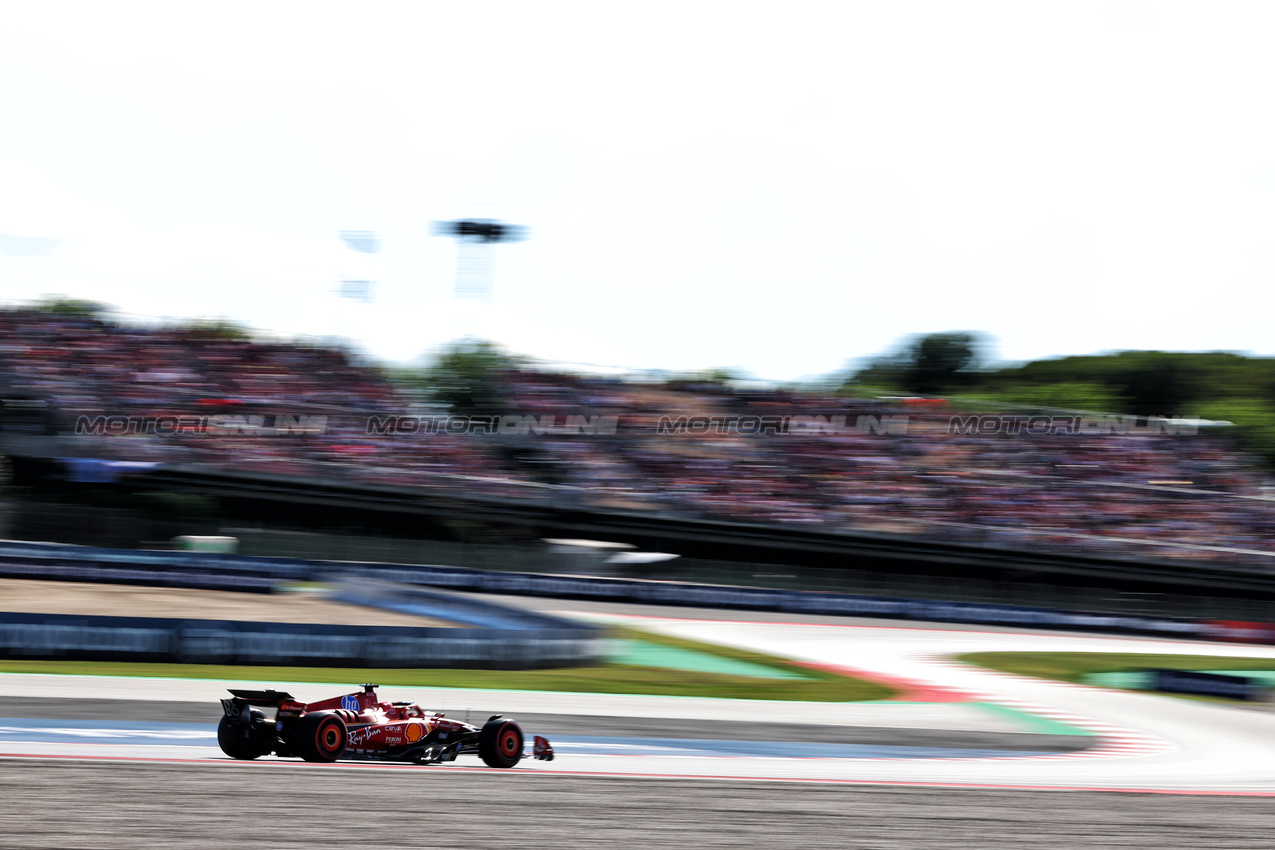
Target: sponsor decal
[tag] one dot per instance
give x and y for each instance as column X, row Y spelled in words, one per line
column 350, row 702
column 415, row 731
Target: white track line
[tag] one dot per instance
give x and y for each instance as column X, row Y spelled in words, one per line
column 1147, row 742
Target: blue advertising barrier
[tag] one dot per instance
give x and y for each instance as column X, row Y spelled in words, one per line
column 123, row 575
column 1203, row 684
column 62, row 636
column 280, row 568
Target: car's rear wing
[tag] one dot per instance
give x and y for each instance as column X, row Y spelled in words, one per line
column 267, row 697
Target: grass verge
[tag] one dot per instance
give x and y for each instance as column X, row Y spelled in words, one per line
column 1074, row 666
column 816, row 686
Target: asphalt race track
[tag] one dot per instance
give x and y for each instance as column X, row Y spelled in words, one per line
column 970, row 757
column 95, row 804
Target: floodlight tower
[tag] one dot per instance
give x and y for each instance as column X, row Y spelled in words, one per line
column 355, row 277
column 476, row 238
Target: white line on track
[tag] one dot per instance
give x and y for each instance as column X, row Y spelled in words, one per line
column 1148, row 742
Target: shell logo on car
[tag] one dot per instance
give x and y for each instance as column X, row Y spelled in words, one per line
column 414, row 732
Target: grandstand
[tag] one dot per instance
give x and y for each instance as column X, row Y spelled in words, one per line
column 1144, row 495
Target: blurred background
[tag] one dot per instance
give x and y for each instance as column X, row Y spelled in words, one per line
column 916, row 214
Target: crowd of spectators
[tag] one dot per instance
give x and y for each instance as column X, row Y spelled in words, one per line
column 1139, row 494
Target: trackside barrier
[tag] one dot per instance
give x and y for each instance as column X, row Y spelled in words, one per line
column 766, row 599
column 301, row 645
column 448, row 606
column 1240, row 631
column 153, row 578
column 144, row 567
column 199, row 569
column 1203, row 684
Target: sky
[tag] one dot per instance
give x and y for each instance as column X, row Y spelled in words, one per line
column 779, row 189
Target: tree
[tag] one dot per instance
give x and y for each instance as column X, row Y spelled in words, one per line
column 926, row 365
column 1158, row 384
column 883, row 373
column 940, row 361
column 60, row 305
column 219, row 329
column 466, row 376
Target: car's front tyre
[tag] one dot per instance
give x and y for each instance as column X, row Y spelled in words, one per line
column 500, row 743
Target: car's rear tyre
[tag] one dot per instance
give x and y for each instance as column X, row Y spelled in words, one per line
column 320, row 737
column 500, row 743
column 239, row 741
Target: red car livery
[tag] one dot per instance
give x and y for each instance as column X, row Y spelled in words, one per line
column 360, row 726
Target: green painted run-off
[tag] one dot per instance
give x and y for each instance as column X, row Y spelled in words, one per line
column 642, row 654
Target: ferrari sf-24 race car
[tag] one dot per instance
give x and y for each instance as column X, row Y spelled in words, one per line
column 360, row 726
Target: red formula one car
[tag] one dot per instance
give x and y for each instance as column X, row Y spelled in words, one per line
column 359, row 726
